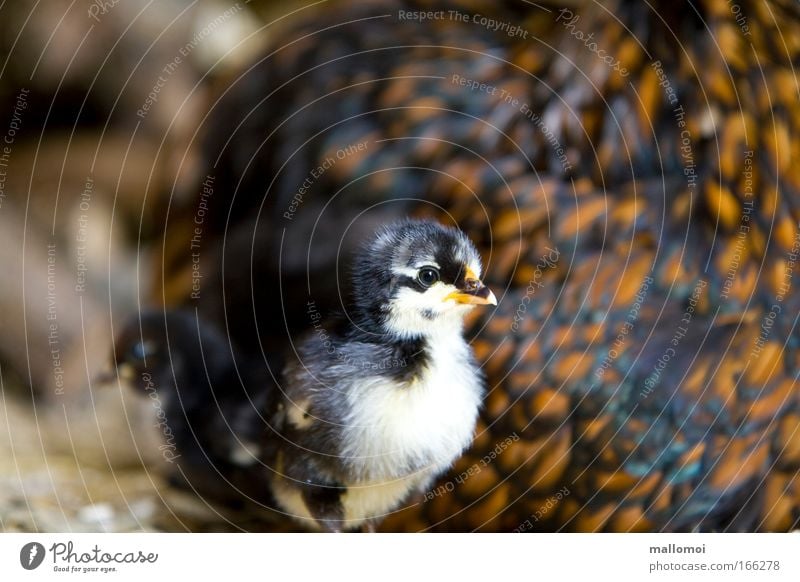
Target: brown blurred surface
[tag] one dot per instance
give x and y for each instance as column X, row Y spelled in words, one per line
column 81, row 180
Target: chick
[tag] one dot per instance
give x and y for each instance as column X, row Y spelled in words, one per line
column 211, row 410
column 382, row 400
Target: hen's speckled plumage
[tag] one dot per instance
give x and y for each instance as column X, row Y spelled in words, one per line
column 643, row 226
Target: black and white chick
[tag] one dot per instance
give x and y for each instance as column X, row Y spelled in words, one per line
column 209, row 413
column 382, row 400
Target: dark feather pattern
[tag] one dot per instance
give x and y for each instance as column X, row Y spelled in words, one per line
column 609, row 209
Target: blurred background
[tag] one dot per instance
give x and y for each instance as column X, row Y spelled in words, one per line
column 95, row 128
column 623, row 167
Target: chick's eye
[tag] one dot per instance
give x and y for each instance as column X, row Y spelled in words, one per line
column 142, row 350
column 428, row 276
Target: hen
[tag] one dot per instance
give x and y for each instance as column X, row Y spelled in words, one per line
column 628, row 177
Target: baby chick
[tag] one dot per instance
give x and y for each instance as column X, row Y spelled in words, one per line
column 210, row 411
column 381, row 401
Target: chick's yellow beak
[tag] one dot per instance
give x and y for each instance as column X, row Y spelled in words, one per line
column 473, row 292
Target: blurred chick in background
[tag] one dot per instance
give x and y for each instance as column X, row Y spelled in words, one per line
column 212, row 418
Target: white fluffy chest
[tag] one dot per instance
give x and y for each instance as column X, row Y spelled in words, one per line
column 395, row 430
